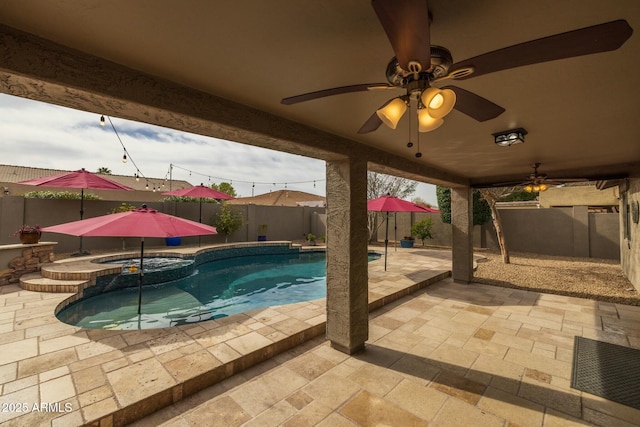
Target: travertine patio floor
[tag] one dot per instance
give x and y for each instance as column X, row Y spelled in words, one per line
column 448, row 354
column 55, row 374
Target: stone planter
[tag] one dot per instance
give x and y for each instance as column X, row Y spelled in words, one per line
column 29, row 238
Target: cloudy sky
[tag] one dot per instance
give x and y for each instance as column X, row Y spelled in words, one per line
column 37, row 134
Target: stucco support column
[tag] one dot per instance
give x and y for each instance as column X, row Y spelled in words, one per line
column 462, row 234
column 347, row 236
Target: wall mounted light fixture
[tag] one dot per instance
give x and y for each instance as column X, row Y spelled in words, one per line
column 509, row 137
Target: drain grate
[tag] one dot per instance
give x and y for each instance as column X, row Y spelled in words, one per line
column 607, row 370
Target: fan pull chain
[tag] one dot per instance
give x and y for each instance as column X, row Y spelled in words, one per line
column 409, row 144
column 418, row 154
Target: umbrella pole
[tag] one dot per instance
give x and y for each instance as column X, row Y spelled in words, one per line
column 140, row 274
column 395, row 231
column 386, row 242
column 200, row 220
column 80, row 252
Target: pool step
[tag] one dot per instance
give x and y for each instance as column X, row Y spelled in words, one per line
column 66, row 277
column 37, row 283
column 83, row 270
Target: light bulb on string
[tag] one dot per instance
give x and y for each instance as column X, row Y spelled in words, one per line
column 146, row 187
column 124, row 158
column 102, row 122
column 137, row 177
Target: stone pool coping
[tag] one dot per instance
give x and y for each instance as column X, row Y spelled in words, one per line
column 116, row 377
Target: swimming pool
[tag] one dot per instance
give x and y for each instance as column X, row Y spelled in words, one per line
column 215, row 289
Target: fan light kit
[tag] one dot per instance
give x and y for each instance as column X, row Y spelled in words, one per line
column 509, row 137
column 535, row 188
column 433, row 105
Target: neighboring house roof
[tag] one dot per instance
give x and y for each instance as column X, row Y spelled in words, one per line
column 14, row 174
column 280, row 198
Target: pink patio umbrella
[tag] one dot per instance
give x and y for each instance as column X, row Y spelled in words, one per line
column 202, row 192
column 142, row 222
column 78, row 179
column 389, row 203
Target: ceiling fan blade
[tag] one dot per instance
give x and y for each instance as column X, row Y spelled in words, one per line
column 372, row 124
column 335, row 91
column 564, row 181
column 598, row 38
column 406, row 23
column 475, row 106
column 502, row 184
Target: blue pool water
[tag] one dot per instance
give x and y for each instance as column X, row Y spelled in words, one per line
column 216, row 289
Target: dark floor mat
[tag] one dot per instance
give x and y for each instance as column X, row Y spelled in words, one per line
column 607, row 370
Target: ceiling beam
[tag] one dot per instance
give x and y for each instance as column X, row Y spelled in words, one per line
column 36, row 68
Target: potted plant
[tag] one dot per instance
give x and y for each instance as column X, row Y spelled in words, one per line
column 407, row 242
column 312, row 239
column 262, row 232
column 28, row 234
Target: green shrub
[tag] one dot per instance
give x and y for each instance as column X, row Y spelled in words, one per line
column 227, row 221
column 122, row 208
column 183, row 199
column 60, row 195
column 422, row 229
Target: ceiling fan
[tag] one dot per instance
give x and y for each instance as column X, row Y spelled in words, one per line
column 418, row 65
column 537, row 181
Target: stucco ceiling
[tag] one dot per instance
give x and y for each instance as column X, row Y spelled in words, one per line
column 581, row 113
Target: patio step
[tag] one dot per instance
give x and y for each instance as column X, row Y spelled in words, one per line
column 37, row 283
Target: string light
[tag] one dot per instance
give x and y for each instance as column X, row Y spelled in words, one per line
column 127, row 156
column 253, row 183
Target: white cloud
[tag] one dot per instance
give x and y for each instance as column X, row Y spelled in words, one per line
column 42, row 135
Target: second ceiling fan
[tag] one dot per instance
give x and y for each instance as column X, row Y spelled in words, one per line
column 418, row 65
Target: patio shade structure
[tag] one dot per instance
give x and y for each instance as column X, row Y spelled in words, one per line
column 389, row 203
column 202, row 192
column 141, row 222
column 78, row 179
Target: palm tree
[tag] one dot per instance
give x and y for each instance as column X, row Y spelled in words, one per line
column 103, row 170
